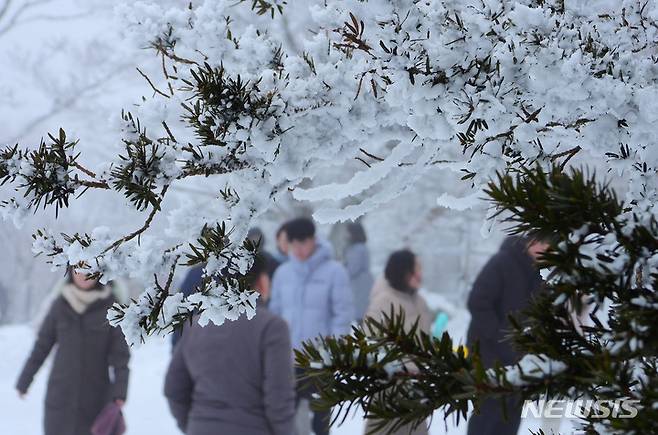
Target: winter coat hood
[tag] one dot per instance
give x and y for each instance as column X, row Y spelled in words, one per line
column 504, row 286
column 518, row 247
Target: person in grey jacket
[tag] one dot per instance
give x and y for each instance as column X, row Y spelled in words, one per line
column 505, row 286
column 90, row 367
column 236, row 378
column 357, row 262
column 311, row 291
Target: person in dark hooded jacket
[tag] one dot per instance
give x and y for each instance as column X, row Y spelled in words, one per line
column 505, row 286
column 90, row 366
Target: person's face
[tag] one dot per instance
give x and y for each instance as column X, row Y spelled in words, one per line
column 536, row 248
column 416, row 278
column 80, row 280
column 302, row 249
column 263, row 286
column 282, row 242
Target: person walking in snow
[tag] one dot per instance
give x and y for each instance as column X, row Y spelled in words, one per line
column 505, row 286
column 90, row 366
column 311, row 291
column 357, row 263
column 397, row 290
column 236, row 378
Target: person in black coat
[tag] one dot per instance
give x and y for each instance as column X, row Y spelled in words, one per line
column 505, row 286
column 90, row 366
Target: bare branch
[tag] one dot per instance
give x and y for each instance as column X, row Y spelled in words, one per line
column 94, row 184
column 363, row 161
column 371, row 155
column 83, row 169
column 156, row 90
column 144, row 227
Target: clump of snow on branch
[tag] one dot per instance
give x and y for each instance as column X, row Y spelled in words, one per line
column 530, row 367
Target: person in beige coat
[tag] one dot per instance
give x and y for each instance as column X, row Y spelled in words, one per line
column 398, row 288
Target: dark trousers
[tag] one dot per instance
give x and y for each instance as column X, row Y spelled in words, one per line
column 305, row 390
column 491, row 420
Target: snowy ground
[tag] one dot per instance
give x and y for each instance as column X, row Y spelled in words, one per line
column 146, row 410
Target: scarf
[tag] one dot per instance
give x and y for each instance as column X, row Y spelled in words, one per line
column 80, row 300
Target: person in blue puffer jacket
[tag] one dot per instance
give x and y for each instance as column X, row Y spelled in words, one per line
column 312, row 293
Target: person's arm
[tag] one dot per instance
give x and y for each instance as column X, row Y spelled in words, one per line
column 278, row 378
column 118, row 359
column 342, row 303
column 179, row 386
column 46, row 339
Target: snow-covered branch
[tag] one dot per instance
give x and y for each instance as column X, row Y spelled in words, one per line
column 467, row 87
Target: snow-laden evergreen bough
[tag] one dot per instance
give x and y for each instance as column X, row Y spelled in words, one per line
column 255, row 97
column 603, row 270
